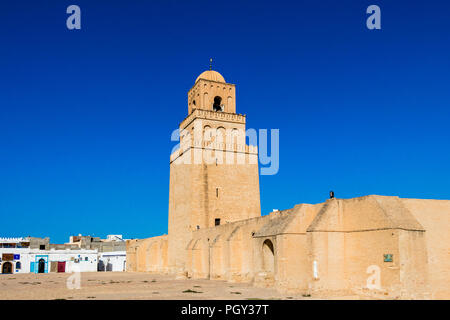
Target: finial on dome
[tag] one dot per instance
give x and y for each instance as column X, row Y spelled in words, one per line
column 210, row 64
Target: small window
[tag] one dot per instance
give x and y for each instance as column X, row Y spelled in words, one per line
column 217, row 222
column 217, row 192
column 217, row 106
column 86, row 259
column 18, row 265
column 193, row 102
column 42, row 247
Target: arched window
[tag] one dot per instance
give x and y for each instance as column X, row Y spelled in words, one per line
column 18, row 265
column 217, row 106
column 205, row 99
column 220, row 136
column 235, row 137
column 207, row 133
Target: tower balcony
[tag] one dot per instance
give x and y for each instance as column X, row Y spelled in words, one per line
column 212, row 115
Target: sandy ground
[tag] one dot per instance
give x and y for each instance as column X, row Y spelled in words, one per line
column 129, row 285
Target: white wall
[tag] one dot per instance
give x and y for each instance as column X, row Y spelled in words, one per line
column 87, row 259
column 24, row 260
column 113, row 261
column 29, row 255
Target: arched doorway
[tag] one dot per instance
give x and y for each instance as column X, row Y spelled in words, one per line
column 41, row 266
column 7, row 267
column 268, row 257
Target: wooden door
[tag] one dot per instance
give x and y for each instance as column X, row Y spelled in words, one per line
column 61, row 266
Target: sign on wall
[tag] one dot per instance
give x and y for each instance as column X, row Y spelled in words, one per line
column 17, row 257
column 7, row 257
column 388, row 257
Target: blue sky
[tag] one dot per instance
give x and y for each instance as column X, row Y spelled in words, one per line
column 86, row 115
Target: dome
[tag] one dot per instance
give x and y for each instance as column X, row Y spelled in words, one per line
column 211, row 75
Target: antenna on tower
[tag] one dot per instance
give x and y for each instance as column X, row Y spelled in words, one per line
column 210, row 64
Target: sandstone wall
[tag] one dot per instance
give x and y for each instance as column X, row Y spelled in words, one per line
column 148, row 255
column 434, row 216
column 336, row 247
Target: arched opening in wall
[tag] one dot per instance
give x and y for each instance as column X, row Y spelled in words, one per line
column 220, row 136
column 41, row 266
column 268, row 257
column 7, row 267
column 205, row 99
column 207, row 134
column 217, row 106
column 18, row 265
column 235, row 139
column 193, row 102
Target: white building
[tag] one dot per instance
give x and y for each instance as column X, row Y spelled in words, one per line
column 112, row 261
column 114, row 237
column 25, row 260
column 17, row 256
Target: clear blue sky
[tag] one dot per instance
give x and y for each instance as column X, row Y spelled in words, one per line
column 86, row 116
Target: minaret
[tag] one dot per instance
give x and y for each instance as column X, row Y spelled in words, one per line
column 214, row 174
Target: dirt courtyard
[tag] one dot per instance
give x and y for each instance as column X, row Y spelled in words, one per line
column 129, row 285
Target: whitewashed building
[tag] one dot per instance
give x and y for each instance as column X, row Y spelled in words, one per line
column 29, row 255
column 112, row 261
column 25, row 260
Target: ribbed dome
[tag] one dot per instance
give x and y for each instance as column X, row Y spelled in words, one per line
column 211, row 75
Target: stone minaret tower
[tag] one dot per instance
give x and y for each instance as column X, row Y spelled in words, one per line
column 214, row 174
